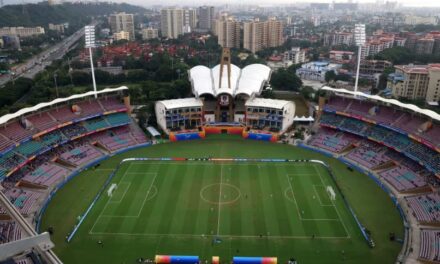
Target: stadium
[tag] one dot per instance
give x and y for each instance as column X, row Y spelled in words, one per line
column 83, row 183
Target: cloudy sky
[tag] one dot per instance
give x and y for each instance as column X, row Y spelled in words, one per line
column 418, row 3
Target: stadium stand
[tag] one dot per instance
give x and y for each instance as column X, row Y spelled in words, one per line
column 42, row 121
column 430, row 245
column 403, row 179
column 426, row 208
column 368, row 154
column 80, row 153
column 16, row 132
column 47, row 174
column 332, row 141
column 63, row 114
column 111, row 103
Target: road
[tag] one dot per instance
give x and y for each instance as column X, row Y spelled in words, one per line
column 37, row 63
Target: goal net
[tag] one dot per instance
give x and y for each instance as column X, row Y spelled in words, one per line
column 111, row 189
column 331, row 193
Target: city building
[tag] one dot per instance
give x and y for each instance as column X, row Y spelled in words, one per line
column 21, row 31
column 121, row 35
column 149, row 33
column 228, row 32
column 206, row 17
column 189, row 20
column 416, row 20
column 258, row 35
column 424, row 46
column 338, row 38
column 172, row 22
column 341, row 56
column 122, row 22
column 58, row 27
column 316, row 70
column 372, row 67
column 296, row 55
column 416, row 82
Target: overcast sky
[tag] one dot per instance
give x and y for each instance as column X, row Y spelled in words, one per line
column 418, row 3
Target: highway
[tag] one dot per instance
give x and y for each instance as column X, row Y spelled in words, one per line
column 37, row 63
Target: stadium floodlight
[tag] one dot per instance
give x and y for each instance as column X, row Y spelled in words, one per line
column 90, row 43
column 359, row 39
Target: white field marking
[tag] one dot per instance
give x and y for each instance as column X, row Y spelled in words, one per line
column 297, row 205
column 293, row 196
column 123, row 195
column 336, row 209
column 219, row 200
column 122, row 181
column 231, row 163
column 107, row 203
column 317, row 195
column 224, row 236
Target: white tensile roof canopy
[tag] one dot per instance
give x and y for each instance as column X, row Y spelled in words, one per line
column 6, row 118
column 414, row 108
column 248, row 81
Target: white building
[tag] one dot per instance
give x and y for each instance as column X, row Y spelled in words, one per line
column 177, row 113
column 295, row 55
column 149, row 33
column 276, row 114
column 21, row 31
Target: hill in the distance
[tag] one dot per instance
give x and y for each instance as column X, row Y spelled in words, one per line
column 41, row 14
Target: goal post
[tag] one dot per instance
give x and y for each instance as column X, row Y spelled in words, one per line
column 111, row 189
column 331, row 193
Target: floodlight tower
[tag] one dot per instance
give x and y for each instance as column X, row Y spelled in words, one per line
column 90, row 43
column 359, row 38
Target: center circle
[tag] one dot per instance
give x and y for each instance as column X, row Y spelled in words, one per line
column 220, row 193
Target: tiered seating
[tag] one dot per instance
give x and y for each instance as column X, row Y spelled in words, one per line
column 7, row 231
column 81, row 154
column 330, row 140
column 5, row 143
column 73, row 130
column 368, row 154
column 89, row 108
column 425, row 207
column 385, row 115
column 353, row 125
column 95, row 124
column 360, row 107
column 338, row 103
column 46, row 174
column 53, row 138
column 11, row 160
column 42, row 121
column 16, row 132
column 118, row 119
column 377, row 132
column 111, row 103
column 433, row 134
column 409, row 123
column 138, row 134
column 429, row 245
column 403, row 179
column 114, row 141
column 29, row 148
column 63, row 114
column 426, row 155
column 22, row 199
column 397, row 140
column 331, row 119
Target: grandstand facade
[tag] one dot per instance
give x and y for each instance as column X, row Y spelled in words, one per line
column 41, row 147
column 398, row 145
column 226, row 99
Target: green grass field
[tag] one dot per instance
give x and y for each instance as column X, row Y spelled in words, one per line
column 255, row 209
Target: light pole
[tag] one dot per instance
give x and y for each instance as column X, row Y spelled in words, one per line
column 56, row 84
column 90, row 43
column 359, row 38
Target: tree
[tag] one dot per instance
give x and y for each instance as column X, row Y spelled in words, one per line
column 330, row 76
column 285, row 80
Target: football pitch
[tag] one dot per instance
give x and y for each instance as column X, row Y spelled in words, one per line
column 225, row 209
column 215, row 201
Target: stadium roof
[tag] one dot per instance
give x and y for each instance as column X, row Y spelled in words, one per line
column 6, row 118
column 414, row 108
column 267, row 103
column 249, row 80
column 181, row 103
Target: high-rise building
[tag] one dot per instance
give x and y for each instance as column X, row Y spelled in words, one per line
column 190, row 20
column 21, row 31
column 149, row 33
column 172, row 22
column 416, row 82
column 121, row 35
column 228, row 32
column 122, row 22
column 258, row 35
column 338, row 38
column 206, row 17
